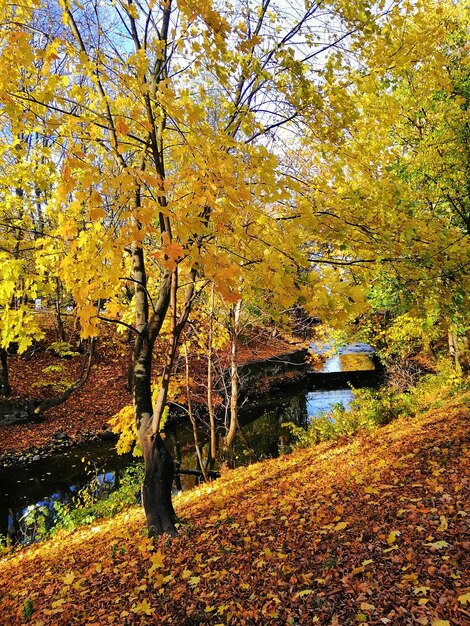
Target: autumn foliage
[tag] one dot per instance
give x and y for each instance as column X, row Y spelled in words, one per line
column 367, row 530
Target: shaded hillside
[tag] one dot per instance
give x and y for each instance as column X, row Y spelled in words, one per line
column 369, row 530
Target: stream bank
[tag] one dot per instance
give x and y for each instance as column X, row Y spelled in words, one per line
column 256, row 375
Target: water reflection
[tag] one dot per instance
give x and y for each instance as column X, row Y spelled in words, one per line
column 27, row 502
column 263, row 426
column 357, row 357
column 322, row 401
column 29, row 523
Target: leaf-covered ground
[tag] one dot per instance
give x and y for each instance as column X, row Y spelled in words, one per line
column 373, row 530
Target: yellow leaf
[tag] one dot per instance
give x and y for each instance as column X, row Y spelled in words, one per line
column 194, row 581
column 465, row 598
column 157, row 560
column 69, row 578
column 142, row 608
column 58, row 603
column 440, row 622
column 438, row 545
column 392, row 537
column 410, row 578
column 95, row 197
column 443, row 525
column 340, row 526
column 121, row 126
column 421, row 590
column 96, row 213
column 305, row 592
column 158, row 580
column 174, row 250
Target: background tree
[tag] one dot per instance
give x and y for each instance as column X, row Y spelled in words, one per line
column 393, row 202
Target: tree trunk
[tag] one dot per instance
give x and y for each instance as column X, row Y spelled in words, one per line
column 459, row 351
column 58, row 317
column 191, row 416
column 159, row 465
column 453, row 348
column 234, row 332
column 210, row 368
column 4, row 384
column 156, row 490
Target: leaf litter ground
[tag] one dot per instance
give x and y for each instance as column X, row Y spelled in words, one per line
column 370, row 530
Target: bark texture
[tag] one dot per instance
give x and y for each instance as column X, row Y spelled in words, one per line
column 4, row 384
column 156, row 490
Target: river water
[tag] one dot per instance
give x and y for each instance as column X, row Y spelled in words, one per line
column 58, row 478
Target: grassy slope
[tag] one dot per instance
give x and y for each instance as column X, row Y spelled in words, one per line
column 369, row 530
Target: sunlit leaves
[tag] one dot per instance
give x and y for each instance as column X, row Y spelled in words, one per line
column 393, row 198
column 157, row 561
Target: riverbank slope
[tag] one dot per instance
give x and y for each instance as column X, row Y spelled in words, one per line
column 372, row 530
column 85, row 415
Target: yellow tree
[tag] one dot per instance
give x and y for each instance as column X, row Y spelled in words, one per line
column 166, row 120
column 388, row 173
column 26, row 175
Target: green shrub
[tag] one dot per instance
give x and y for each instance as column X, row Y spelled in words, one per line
column 87, row 506
column 5, row 544
column 63, row 349
column 52, row 379
column 35, row 521
column 28, row 608
column 370, row 409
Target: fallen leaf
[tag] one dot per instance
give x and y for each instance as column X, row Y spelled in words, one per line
column 465, row 598
column 142, row 608
column 438, row 545
column 392, row 536
column 157, row 561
